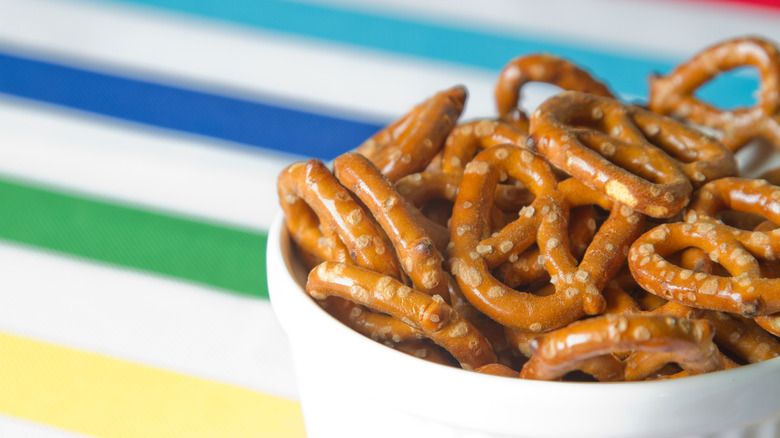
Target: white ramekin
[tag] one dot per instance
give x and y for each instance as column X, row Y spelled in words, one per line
column 351, row 386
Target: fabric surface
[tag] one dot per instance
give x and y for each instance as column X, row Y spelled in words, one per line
column 140, row 142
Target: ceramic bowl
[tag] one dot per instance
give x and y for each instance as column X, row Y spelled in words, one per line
column 351, row 386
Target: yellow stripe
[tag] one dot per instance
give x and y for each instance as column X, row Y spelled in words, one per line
column 105, row 397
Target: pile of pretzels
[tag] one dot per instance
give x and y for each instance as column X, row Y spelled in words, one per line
column 592, row 240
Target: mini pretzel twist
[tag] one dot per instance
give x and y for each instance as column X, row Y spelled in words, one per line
column 674, row 94
column 526, row 269
column 409, row 144
column 381, row 293
column 539, row 68
column 474, row 252
column 745, row 292
column 624, row 151
column 415, row 249
column 743, row 337
column 688, row 343
column 467, row 139
column 324, row 219
column 745, row 196
column 326, row 222
column 742, row 195
column 376, row 326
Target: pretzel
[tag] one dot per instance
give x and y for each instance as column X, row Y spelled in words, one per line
column 539, row 68
column 745, row 292
column 557, row 353
column 378, row 327
column 641, row 365
column 743, row 337
column 381, row 293
column 425, row 349
column 407, row 145
column 624, row 151
column 307, row 192
column 473, row 254
column 497, row 369
column 527, row 269
column 674, row 94
column 415, row 249
column 743, row 195
column 467, row 139
column 324, row 219
column 420, row 189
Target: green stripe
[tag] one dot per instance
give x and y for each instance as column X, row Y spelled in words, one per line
column 214, row 255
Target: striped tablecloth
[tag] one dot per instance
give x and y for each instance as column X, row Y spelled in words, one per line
column 139, row 146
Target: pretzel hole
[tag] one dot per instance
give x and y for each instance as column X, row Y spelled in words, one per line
column 438, row 211
column 534, row 93
column 737, row 88
column 623, row 155
column 740, row 219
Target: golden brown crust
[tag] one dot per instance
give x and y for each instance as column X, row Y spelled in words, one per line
column 674, row 94
column 540, row 68
column 324, row 219
column 431, row 315
column 409, row 144
column 686, row 342
column 635, row 157
column 416, row 251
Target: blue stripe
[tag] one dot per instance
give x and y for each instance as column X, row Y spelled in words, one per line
column 226, row 118
column 625, row 72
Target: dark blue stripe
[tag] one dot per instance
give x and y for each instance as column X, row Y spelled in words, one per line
column 226, row 118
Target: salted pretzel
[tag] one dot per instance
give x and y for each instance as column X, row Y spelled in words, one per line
column 674, row 94
column 474, row 251
column 559, row 352
column 539, row 68
column 749, row 196
column 743, row 337
column 643, row 160
column 743, row 195
column 525, row 268
column 409, row 144
column 416, row 251
column 424, row 349
column 467, row 139
column 324, row 219
column 376, row 326
column 429, row 314
column 744, row 292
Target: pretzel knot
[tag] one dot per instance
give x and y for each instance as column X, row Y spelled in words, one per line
column 474, row 252
column 744, row 292
column 756, row 197
column 686, row 342
column 539, row 68
column 325, row 220
column 327, row 223
column 409, row 144
column 645, row 161
column 430, row 315
column 674, row 94
column 415, row 249
column 467, row 139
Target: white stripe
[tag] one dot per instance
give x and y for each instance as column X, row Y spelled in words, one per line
column 147, row 167
column 671, row 30
column 145, row 319
column 231, row 60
